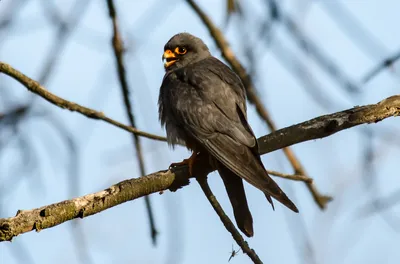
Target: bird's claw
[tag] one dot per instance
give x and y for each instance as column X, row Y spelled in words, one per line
column 189, row 162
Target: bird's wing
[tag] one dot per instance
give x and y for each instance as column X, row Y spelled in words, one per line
column 216, row 118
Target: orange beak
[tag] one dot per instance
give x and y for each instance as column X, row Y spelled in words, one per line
column 169, row 58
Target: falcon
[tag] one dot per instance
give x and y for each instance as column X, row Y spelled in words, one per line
column 202, row 104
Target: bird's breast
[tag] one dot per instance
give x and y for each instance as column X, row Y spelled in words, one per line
column 179, row 100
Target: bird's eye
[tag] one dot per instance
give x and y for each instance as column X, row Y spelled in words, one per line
column 180, row 50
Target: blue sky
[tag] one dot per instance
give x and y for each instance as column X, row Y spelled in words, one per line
column 190, row 232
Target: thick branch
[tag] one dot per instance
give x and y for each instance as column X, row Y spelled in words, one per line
column 58, row 213
column 327, row 125
column 36, row 88
column 323, row 126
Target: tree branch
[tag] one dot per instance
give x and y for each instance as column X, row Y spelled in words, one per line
column 58, row 213
column 323, row 126
column 293, row 177
column 327, row 125
column 227, row 222
column 36, row 88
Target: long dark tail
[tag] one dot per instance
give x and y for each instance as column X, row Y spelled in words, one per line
column 237, row 196
column 246, row 163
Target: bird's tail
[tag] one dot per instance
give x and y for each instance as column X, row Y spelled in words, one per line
column 246, row 163
column 237, row 196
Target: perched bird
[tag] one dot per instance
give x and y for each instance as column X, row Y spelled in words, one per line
column 202, row 104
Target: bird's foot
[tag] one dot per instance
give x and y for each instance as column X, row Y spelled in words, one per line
column 189, row 162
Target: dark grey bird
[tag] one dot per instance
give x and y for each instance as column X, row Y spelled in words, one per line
column 202, row 104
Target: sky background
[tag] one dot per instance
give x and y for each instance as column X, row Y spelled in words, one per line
column 190, row 231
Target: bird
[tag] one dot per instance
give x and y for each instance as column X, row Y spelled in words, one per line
column 202, row 105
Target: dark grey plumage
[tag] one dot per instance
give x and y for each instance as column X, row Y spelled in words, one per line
column 202, row 104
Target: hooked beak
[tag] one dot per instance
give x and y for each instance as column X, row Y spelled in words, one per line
column 169, row 58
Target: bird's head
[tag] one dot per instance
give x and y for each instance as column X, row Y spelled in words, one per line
column 183, row 49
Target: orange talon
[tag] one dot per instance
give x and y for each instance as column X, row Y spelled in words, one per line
column 189, row 162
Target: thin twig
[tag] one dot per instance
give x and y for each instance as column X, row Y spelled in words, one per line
column 293, row 177
column 118, row 48
column 36, row 88
column 229, row 56
column 323, row 126
column 226, row 221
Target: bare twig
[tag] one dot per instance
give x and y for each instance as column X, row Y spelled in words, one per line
column 118, row 48
column 293, row 177
column 230, row 57
column 323, row 126
column 226, row 221
column 36, row 88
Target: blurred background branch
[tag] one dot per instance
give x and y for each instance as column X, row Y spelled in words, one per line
column 118, row 47
column 299, row 59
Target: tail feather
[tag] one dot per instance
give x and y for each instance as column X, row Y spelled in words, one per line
column 237, row 196
column 270, row 200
